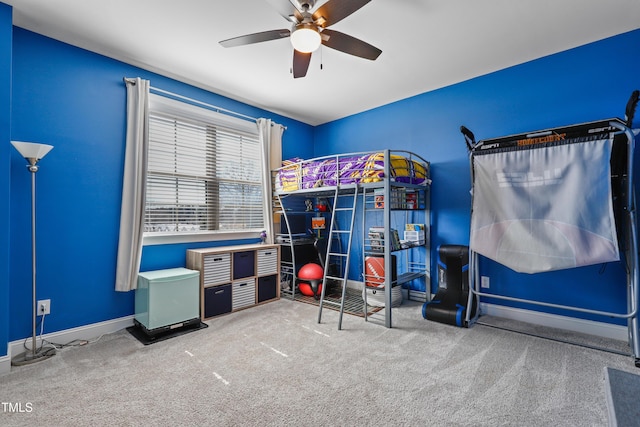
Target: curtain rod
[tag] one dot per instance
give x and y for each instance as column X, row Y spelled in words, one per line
column 204, row 104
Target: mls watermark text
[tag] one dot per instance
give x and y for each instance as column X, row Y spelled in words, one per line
column 16, row 407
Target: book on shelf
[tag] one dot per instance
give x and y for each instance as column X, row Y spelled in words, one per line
column 318, row 223
column 411, row 199
column 398, row 198
column 395, row 240
column 414, row 227
column 376, row 239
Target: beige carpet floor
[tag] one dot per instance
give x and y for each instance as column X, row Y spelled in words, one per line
column 275, row 365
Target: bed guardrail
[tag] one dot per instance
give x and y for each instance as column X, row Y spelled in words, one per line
column 339, row 170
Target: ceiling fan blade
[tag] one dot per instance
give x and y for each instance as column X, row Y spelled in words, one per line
column 256, row 38
column 336, row 10
column 300, row 63
column 351, row 45
column 287, row 9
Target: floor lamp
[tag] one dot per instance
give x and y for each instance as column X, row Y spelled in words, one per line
column 33, row 152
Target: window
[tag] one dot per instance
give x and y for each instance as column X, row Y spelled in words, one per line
column 204, row 171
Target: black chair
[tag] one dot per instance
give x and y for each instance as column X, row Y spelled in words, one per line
column 450, row 303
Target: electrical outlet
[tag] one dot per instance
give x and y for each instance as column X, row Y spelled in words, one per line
column 484, row 282
column 44, row 307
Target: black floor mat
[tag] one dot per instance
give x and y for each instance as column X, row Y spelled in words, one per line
column 353, row 304
column 145, row 339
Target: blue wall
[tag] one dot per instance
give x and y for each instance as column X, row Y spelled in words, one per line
column 591, row 82
column 75, row 100
column 5, row 147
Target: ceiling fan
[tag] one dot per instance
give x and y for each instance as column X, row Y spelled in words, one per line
column 309, row 30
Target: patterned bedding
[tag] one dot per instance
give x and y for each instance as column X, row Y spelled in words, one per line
column 297, row 174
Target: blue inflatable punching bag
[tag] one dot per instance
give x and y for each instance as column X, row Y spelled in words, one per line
column 450, row 303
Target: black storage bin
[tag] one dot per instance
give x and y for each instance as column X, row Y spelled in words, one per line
column 243, row 264
column 267, row 287
column 217, row 300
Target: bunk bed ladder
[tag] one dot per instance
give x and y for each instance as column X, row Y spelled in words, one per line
column 343, row 202
column 287, row 268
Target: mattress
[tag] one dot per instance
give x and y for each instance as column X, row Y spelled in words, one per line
column 297, row 174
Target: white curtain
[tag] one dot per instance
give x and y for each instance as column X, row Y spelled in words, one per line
column 134, row 185
column 271, row 140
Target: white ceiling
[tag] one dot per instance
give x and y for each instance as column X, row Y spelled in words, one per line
column 426, row 44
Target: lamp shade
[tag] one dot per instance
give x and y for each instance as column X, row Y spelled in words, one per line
column 305, row 39
column 32, row 150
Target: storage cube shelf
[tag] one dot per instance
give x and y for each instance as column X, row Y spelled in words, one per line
column 236, row 277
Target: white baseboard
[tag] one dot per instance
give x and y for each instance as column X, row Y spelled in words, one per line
column 87, row 332
column 5, row 364
column 591, row 327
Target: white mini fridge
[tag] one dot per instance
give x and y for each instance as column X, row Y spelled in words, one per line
column 167, row 299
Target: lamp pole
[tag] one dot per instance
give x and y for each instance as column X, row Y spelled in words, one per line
column 33, row 169
column 33, row 152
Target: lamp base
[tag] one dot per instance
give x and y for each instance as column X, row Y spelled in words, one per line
column 28, row 357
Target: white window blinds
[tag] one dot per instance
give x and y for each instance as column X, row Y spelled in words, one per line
column 204, row 172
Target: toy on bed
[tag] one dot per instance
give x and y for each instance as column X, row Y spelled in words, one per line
column 297, row 174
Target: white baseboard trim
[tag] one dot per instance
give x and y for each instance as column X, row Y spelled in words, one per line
column 87, row 332
column 591, row 327
column 5, row 364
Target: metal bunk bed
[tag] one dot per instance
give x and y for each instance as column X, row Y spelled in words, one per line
column 620, row 140
column 335, row 184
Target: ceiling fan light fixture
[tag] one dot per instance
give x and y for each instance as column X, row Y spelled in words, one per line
column 305, row 38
